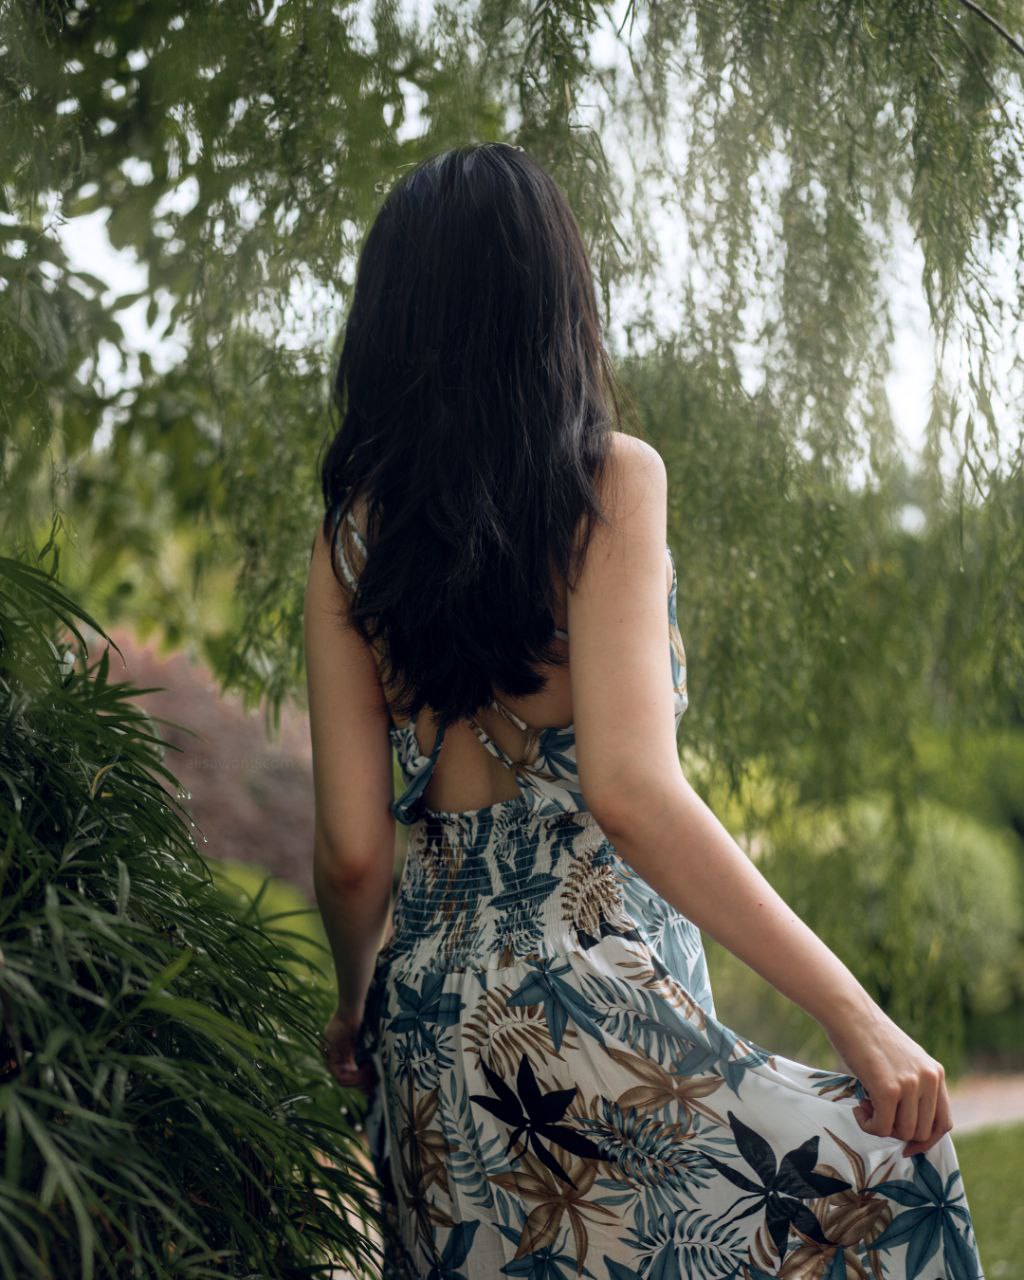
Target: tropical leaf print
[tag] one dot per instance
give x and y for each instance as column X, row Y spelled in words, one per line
column 554, row 1200
column 658, row 1088
column 519, row 922
column 551, row 984
column 592, row 902
column 473, row 1155
column 689, row 1244
column 533, row 1114
column 455, row 1252
column 556, row 1097
column 780, row 1188
column 936, row 1214
column 501, row 1029
column 422, row 1045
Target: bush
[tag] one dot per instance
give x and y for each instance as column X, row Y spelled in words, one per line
column 275, row 904
column 927, row 913
column 980, row 770
column 164, row 1109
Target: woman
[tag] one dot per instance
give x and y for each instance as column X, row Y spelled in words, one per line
column 550, row 1090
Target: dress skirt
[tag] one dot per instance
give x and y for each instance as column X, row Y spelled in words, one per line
column 555, row 1096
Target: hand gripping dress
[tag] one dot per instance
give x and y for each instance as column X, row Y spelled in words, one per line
column 556, row 1097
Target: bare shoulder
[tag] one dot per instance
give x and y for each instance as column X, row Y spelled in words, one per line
column 635, row 474
column 632, row 451
column 630, row 540
column 633, row 488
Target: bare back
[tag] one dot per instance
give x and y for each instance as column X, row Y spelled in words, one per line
column 475, row 766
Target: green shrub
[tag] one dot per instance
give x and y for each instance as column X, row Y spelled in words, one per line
column 980, row 770
column 277, row 905
column 164, row 1109
column 927, row 911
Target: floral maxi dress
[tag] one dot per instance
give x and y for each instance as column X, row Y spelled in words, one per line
column 555, row 1096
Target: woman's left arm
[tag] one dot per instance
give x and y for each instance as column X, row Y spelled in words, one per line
column 354, row 840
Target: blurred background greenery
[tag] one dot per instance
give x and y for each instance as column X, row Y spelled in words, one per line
column 751, row 177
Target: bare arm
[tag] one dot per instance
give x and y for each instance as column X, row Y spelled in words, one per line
column 354, row 835
column 633, row 784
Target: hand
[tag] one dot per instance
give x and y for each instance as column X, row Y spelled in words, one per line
column 340, row 1042
column 907, row 1094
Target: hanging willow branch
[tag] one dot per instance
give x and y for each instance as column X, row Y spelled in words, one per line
column 994, row 23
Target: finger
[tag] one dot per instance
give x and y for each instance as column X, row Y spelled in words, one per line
column 361, row 1077
column 926, row 1106
column 904, row 1123
column 941, row 1125
column 883, row 1102
column 943, row 1114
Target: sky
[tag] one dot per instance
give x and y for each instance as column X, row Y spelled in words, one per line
column 908, row 385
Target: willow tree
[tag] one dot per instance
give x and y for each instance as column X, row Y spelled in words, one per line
column 741, row 170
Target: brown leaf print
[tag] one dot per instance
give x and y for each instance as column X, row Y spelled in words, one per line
column 838, row 1089
column 501, row 1033
column 639, row 970
column 869, row 1214
column 554, row 1200
column 432, row 1146
column 418, row 1169
column 592, row 894
column 660, row 1087
column 849, row 1219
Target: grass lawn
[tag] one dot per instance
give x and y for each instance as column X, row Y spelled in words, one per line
column 992, row 1164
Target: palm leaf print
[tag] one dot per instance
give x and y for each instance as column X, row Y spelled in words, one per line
column 660, row 1088
column 688, row 1244
column 473, row 1154
column 502, row 1030
column 592, row 902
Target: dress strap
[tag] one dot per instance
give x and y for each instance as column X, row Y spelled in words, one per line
column 408, row 806
column 499, row 753
column 351, row 576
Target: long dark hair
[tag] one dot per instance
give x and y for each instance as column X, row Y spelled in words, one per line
column 476, row 399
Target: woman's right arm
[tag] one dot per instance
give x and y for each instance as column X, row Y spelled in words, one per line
column 633, row 784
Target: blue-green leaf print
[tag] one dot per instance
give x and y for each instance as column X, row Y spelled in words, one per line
column 425, row 1008
column 473, row 1155
column 572, row 1093
column 933, row 1219
column 524, row 890
column 618, row 1270
column 652, row 1154
column 421, row 1047
column 456, row 1251
column 688, row 1245
column 558, row 753
column 552, row 1262
column 550, row 983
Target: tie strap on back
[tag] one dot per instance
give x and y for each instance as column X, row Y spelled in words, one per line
column 529, row 747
